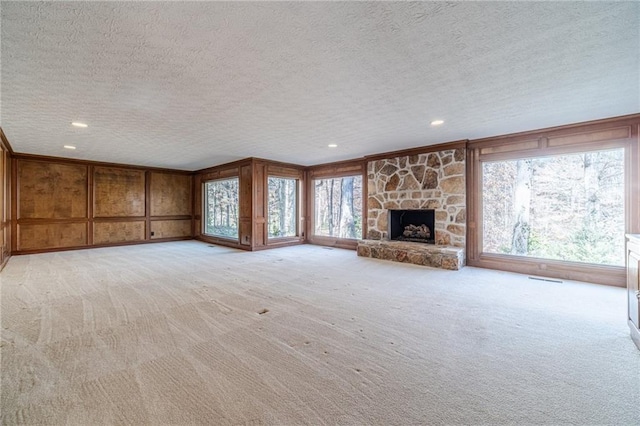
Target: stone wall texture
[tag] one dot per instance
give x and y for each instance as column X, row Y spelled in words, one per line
column 434, row 180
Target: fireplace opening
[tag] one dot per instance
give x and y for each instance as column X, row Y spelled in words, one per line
column 412, row 225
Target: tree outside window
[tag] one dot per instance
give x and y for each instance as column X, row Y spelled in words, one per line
column 338, row 207
column 221, row 208
column 563, row 207
column 283, row 207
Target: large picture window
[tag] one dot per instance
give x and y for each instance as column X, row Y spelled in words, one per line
column 338, row 207
column 221, row 208
column 563, row 207
column 283, row 207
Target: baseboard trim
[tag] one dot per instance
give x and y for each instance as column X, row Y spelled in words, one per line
column 125, row 243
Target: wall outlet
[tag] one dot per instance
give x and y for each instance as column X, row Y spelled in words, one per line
column 152, row 233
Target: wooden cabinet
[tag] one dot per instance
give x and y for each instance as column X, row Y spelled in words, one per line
column 633, row 286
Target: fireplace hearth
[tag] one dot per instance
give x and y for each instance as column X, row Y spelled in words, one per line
column 412, row 225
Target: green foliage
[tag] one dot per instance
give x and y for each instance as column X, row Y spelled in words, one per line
column 221, row 207
column 283, row 207
column 576, row 210
column 337, row 207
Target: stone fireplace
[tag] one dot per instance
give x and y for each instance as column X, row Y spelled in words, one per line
column 432, row 181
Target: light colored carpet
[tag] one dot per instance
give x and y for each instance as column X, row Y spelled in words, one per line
column 187, row 333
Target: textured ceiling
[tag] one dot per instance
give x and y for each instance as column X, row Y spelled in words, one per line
column 190, row 85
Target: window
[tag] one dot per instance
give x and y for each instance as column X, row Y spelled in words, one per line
column 338, row 207
column 564, row 207
column 221, row 208
column 283, row 207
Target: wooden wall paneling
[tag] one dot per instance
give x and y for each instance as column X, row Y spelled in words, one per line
column 170, row 194
column 259, row 204
column 108, row 232
column 14, row 204
column 197, row 203
column 595, row 135
column 171, row 228
column 51, row 190
column 5, row 200
column 339, row 169
column 245, row 211
column 41, row 236
column 6, row 192
column 147, row 205
column 511, row 147
column 194, row 196
column 90, row 199
column 62, row 203
column 284, row 171
column 309, row 208
column 118, row 192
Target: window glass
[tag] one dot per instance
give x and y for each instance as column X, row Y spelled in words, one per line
column 564, row 207
column 338, row 207
column 221, row 208
column 283, row 207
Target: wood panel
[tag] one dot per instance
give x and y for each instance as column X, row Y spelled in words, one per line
column 170, row 194
column 259, row 205
column 515, row 146
column 617, row 133
column 51, row 190
column 223, row 173
column 246, row 202
column 5, row 211
column 65, row 203
column 118, row 232
column 36, row 236
column 246, row 185
column 284, row 171
column 338, row 170
column 170, row 228
column 118, row 192
column 245, row 232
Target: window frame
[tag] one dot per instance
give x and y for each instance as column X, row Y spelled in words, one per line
column 312, row 201
column 598, row 136
column 205, row 205
column 298, row 204
column 336, row 170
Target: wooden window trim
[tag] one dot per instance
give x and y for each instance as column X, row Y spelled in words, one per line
column 204, row 198
column 585, row 137
column 298, row 176
column 328, row 171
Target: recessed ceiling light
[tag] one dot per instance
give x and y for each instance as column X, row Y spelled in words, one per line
column 437, row 122
column 70, row 147
column 333, row 145
column 77, row 124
